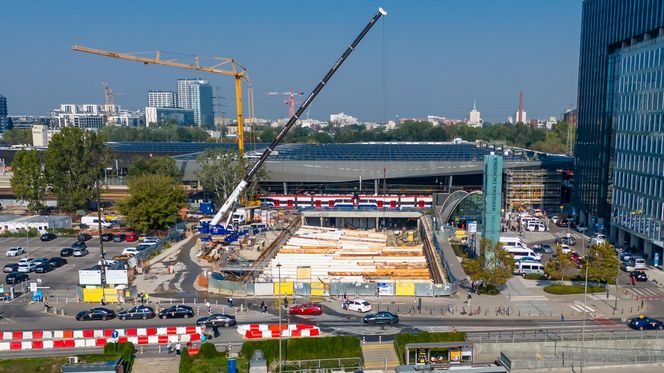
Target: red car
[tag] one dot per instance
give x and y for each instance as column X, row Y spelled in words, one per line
column 575, row 257
column 306, row 309
column 131, row 237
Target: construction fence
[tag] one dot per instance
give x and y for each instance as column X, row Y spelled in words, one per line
column 334, row 288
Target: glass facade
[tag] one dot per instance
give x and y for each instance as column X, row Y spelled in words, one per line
column 607, row 26
column 638, row 119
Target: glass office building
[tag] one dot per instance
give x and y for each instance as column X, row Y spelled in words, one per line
column 611, row 32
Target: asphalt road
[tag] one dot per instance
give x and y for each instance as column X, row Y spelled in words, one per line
column 65, row 277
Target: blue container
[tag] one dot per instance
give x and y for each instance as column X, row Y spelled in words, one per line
column 207, row 208
column 218, row 229
column 204, row 227
column 232, row 368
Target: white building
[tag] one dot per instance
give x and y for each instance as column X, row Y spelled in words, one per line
column 125, row 118
column 342, row 119
column 549, row 123
column 162, row 99
column 523, row 117
column 474, row 118
column 16, row 223
column 436, row 120
column 41, row 135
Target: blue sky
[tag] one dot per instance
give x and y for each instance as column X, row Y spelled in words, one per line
column 440, row 55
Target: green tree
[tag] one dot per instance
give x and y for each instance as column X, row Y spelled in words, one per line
column 602, row 263
column 28, row 181
column 154, row 165
column 267, row 135
column 561, row 265
column 154, row 202
column 220, row 172
column 74, row 161
column 494, row 272
column 17, row 136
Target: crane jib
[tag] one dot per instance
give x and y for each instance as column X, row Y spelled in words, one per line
column 293, row 119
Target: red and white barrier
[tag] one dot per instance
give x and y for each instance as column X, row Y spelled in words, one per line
column 30, row 340
column 256, row 331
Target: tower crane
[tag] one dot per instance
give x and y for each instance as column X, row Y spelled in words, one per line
column 290, row 101
column 233, row 68
column 228, row 204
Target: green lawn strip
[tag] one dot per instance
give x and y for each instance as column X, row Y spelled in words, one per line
column 572, row 289
column 49, row 364
column 305, row 348
column 401, row 340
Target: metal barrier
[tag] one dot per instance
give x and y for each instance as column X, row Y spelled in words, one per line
column 323, row 365
column 560, row 335
column 572, row 357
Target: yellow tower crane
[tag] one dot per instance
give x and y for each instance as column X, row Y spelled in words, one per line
column 235, row 69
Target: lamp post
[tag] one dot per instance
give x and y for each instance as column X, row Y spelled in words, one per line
column 279, row 303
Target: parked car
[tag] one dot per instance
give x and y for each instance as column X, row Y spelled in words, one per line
column 138, row 312
column 120, row 237
column 567, row 240
column 554, row 219
column 107, row 237
column 16, row 278
column 382, row 317
column 56, row 261
column 25, row 260
column 130, row 251
column 131, row 237
column 10, row 267
column 98, row 313
column 177, row 311
column 143, row 246
column 574, row 256
column 15, row 251
column 151, row 239
column 547, row 248
column 84, row 237
column 218, row 319
column 80, row 251
column 79, row 244
column 39, row 261
column 537, row 249
column 359, row 305
column 645, row 323
column 48, row 236
column 26, row 267
column 306, row 309
column 639, row 275
column 563, row 222
column 43, row 267
column 66, row 251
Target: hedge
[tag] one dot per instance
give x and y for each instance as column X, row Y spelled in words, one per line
column 126, row 350
column 305, row 348
column 559, row 289
column 186, row 362
column 401, row 340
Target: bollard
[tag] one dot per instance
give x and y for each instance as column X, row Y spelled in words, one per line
column 159, row 350
column 198, row 310
column 182, row 300
column 364, row 340
column 380, row 339
column 141, row 350
column 196, row 300
column 216, row 302
column 171, row 300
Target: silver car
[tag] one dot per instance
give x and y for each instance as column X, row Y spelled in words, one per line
column 15, row 251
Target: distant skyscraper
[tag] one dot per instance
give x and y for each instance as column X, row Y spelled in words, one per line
column 4, row 122
column 618, row 169
column 201, row 102
column 474, row 118
column 162, row 99
column 184, row 102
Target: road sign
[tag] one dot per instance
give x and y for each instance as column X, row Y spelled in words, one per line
column 115, row 334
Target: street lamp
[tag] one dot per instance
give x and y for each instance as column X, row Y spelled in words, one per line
column 279, row 305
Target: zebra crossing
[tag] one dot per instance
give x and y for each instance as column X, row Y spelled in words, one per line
column 646, row 293
column 580, row 307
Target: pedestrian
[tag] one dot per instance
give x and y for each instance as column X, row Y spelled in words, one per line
column 345, row 296
column 377, row 292
column 562, row 318
column 263, row 306
column 209, row 307
column 141, row 297
column 178, row 347
column 47, row 307
column 633, row 278
column 641, row 304
column 469, row 298
column 215, row 331
column 169, row 347
column 103, row 301
column 285, row 302
column 230, row 302
column 147, row 298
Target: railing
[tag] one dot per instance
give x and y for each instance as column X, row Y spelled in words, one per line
column 572, row 357
column 561, row 335
column 323, row 365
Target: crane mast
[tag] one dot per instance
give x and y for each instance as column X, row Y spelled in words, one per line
column 270, row 148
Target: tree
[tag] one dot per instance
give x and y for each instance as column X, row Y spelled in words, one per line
column 74, row 161
column 602, row 263
column 17, row 136
column 28, row 181
column 494, row 271
column 561, row 265
column 221, row 170
column 154, row 166
column 154, row 202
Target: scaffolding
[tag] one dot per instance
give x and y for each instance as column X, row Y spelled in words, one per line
column 532, row 189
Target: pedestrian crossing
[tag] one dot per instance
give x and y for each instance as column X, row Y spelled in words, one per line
column 646, row 293
column 580, row 307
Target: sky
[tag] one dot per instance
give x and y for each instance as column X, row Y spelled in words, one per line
column 424, row 58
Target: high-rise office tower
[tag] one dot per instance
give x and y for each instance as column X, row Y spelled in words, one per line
column 4, row 121
column 619, row 169
column 183, row 91
column 201, row 101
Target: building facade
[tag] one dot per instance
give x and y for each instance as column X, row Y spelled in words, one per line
column 162, row 99
column 474, row 118
column 608, row 27
column 157, row 115
column 637, row 89
column 4, row 119
column 201, row 102
column 184, row 102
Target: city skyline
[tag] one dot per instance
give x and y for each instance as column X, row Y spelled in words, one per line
column 457, row 58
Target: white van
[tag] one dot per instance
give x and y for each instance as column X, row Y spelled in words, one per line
column 93, row 222
column 520, row 253
column 528, row 267
column 535, row 227
column 513, row 242
column 635, row 264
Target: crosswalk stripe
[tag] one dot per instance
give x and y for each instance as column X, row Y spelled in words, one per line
column 581, row 307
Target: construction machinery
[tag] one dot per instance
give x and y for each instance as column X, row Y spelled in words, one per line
column 290, row 101
column 234, row 69
column 232, row 199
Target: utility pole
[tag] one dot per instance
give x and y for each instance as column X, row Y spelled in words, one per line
column 99, row 229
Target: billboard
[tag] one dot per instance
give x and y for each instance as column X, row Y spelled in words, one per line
column 93, row 277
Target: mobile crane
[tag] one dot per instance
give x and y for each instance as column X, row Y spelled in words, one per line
column 232, row 199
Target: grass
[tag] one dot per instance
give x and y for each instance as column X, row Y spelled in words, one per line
column 210, row 360
column 305, row 348
column 572, row 289
column 48, row 364
column 401, row 340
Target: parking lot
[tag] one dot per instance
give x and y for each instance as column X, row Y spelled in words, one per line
column 65, row 277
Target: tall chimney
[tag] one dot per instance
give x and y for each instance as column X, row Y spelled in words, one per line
column 519, row 114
